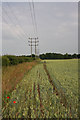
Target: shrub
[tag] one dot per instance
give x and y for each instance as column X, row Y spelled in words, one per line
column 13, row 59
column 0, row 60
column 5, row 61
column 20, row 60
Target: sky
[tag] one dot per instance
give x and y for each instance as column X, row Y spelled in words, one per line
column 56, row 22
column 41, row 0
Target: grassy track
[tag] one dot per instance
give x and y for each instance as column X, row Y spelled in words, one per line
column 11, row 75
column 36, row 97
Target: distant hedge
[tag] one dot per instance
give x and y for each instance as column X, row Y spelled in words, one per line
column 14, row 60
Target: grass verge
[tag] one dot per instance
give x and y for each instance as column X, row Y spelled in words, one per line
column 11, row 76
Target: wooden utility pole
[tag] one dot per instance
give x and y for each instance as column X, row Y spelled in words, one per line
column 36, row 41
column 30, row 45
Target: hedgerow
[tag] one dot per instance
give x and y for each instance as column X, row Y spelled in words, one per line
column 14, row 60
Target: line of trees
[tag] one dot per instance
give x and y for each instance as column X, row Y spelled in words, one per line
column 58, row 56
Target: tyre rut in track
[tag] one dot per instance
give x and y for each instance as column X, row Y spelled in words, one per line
column 34, row 102
column 29, row 104
column 41, row 106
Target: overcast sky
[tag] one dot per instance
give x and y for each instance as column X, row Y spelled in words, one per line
column 57, row 27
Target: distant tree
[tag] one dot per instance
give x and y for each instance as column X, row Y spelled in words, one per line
column 74, row 56
column 33, row 55
column 78, row 55
column 5, row 61
column 42, row 56
column 69, row 56
column 66, row 56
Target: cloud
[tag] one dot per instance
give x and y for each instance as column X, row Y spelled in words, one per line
column 57, row 27
column 41, row 0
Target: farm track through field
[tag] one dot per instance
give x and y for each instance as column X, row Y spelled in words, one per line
column 37, row 96
column 60, row 93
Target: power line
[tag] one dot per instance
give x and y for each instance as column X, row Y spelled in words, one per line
column 11, row 21
column 35, row 23
column 9, row 25
column 17, row 35
column 32, row 9
column 21, row 29
column 34, row 16
column 17, row 20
